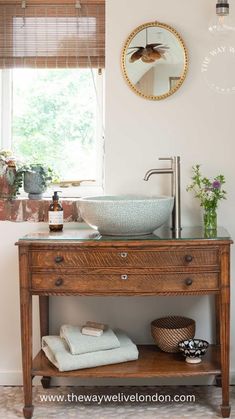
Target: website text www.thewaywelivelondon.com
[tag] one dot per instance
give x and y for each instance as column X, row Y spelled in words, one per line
column 117, row 398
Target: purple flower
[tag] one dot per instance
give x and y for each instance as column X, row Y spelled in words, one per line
column 216, row 184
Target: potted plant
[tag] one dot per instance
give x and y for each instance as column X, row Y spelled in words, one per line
column 10, row 177
column 36, row 178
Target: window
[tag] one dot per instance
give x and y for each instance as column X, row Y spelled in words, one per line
column 56, row 120
column 52, row 86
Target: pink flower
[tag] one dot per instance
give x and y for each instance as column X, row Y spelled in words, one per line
column 216, row 184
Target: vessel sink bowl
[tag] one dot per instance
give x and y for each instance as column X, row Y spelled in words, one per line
column 126, row 215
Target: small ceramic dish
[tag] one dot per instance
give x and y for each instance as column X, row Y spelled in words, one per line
column 193, row 349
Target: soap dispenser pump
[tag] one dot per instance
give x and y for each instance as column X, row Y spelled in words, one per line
column 55, row 214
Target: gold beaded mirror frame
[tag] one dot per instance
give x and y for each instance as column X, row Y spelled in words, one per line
column 154, row 60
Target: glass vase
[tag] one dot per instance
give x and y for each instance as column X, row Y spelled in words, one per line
column 210, row 219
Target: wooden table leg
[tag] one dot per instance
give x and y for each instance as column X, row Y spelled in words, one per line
column 218, row 380
column 225, row 331
column 26, row 332
column 44, row 329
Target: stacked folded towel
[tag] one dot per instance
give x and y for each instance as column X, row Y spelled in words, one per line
column 72, row 350
column 81, row 344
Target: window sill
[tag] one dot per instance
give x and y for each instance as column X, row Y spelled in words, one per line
column 23, row 209
column 72, row 192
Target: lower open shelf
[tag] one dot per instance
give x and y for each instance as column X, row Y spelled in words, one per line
column 151, row 363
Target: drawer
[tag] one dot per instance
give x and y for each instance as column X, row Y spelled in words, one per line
column 123, row 283
column 125, row 258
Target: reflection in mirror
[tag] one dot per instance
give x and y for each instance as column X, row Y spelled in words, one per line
column 154, row 60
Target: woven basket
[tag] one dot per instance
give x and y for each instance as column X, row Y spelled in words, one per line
column 167, row 332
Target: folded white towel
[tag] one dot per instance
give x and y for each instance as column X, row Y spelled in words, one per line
column 81, row 344
column 57, row 351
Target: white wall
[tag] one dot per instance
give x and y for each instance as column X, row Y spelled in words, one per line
column 195, row 123
column 10, row 348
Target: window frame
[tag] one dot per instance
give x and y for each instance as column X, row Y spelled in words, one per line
column 6, row 110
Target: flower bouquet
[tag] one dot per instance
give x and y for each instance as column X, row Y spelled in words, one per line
column 209, row 192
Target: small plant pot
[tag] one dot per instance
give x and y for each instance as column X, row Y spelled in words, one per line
column 34, row 183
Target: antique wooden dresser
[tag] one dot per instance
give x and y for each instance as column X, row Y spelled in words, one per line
column 82, row 262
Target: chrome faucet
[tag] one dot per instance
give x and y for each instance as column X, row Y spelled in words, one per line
column 174, row 170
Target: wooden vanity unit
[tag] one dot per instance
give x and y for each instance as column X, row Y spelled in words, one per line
column 82, row 262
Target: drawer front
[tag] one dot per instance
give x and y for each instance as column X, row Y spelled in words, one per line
column 124, row 283
column 125, row 258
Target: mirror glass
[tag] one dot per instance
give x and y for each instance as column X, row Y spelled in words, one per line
column 154, row 60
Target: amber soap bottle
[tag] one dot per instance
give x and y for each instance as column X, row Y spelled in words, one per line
column 55, row 214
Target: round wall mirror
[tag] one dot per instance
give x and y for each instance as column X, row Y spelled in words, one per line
column 154, row 60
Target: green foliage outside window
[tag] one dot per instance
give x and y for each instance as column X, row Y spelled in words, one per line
column 54, row 120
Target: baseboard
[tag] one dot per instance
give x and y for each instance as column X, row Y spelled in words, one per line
column 14, row 378
column 232, row 378
column 11, row 378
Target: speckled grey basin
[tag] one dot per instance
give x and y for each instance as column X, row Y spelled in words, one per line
column 126, row 215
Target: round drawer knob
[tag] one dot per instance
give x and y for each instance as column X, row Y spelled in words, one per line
column 59, row 282
column 188, row 258
column 124, row 277
column 59, row 259
column 123, row 255
column 188, row 281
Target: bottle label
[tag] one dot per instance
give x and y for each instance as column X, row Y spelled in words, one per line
column 55, row 217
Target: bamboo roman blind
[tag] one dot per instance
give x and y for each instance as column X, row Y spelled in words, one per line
column 52, row 33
